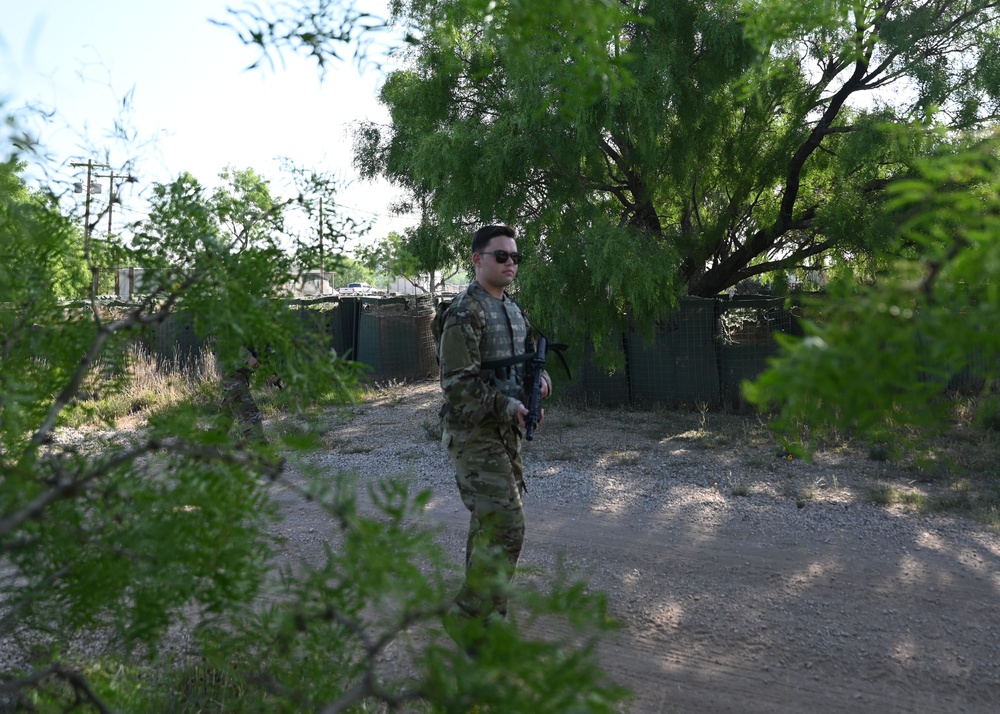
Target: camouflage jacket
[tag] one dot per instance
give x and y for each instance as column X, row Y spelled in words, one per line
column 479, row 328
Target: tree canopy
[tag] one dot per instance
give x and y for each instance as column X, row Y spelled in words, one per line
column 732, row 139
column 878, row 360
column 422, row 250
column 57, row 262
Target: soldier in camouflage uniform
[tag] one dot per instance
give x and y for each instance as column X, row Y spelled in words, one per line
column 240, row 402
column 484, row 419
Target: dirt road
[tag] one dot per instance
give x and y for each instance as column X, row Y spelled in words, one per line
column 746, row 581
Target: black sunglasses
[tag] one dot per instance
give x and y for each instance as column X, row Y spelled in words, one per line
column 502, row 256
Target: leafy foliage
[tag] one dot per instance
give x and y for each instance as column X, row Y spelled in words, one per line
column 881, row 356
column 125, row 534
column 122, row 539
column 383, row 578
column 328, row 228
column 58, row 262
column 420, row 251
column 728, row 140
column 245, row 209
column 322, row 29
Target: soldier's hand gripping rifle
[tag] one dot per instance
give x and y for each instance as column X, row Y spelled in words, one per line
column 534, row 405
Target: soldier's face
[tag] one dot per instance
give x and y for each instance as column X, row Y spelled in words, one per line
column 489, row 272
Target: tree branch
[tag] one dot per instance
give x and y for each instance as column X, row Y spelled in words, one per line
column 18, row 607
column 76, row 679
column 790, row 261
column 135, row 319
column 68, row 485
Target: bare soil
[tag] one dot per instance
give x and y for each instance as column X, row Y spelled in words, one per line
column 745, row 580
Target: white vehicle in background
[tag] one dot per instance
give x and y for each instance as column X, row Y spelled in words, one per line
column 357, row 290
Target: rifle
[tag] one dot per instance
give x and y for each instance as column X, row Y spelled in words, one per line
column 534, row 404
column 275, row 379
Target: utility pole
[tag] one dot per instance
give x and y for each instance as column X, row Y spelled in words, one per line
column 91, row 188
column 322, row 266
column 111, row 176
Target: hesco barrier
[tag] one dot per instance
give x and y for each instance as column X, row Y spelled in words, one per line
column 698, row 354
column 392, row 336
column 175, row 341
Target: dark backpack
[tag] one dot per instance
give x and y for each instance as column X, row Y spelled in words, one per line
column 437, row 324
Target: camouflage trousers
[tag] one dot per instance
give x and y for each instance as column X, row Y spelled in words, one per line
column 242, row 406
column 489, row 473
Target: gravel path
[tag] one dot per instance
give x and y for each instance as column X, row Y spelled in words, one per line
column 746, row 581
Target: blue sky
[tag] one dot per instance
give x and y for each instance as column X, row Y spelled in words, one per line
column 193, row 105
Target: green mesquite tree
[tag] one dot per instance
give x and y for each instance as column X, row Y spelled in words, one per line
column 104, row 534
column 877, row 360
column 26, row 213
column 419, row 251
column 733, row 139
column 326, row 228
column 245, row 208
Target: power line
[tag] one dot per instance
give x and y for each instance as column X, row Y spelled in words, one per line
column 370, row 213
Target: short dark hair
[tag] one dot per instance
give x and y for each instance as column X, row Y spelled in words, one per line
column 486, row 233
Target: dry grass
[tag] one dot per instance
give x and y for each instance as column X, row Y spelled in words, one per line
column 126, row 392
